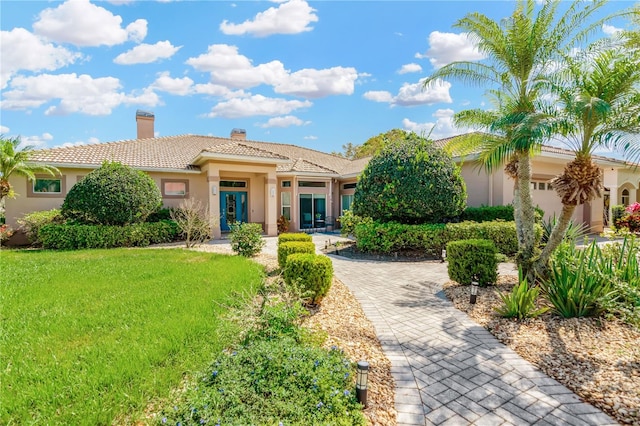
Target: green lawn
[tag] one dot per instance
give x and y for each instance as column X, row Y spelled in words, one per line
column 87, row 337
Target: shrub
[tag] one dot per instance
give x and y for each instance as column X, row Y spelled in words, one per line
column 311, row 275
column 78, row 236
column 574, row 232
column 488, row 213
column 349, row 221
column 575, row 287
column 617, row 212
column 393, row 237
column 630, row 218
column 283, row 224
column 162, row 214
column 502, row 234
column 521, row 302
column 271, row 382
column 113, row 194
column 192, row 218
column 410, row 181
column 469, row 258
column 290, row 247
column 5, row 233
column 293, row 236
column 31, row 223
column 246, row 238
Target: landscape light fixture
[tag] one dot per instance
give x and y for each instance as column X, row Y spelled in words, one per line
column 361, row 382
column 474, row 290
column 443, row 256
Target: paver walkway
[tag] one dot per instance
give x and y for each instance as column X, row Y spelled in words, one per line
column 449, row 370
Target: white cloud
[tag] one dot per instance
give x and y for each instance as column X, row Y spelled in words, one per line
column 21, row 50
column 414, row 94
column 92, row 140
column 256, row 105
column 292, row 17
column 147, row 53
column 82, row 23
column 228, row 67
column 449, row 47
column 285, row 121
column 610, row 29
column 378, row 96
column 76, row 93
column 310, row 138
column 442, row 127
column 211, row 89
column 35, row 141
column 312, row 83
column 407, row 68
column 4, row 130
column 175, row 86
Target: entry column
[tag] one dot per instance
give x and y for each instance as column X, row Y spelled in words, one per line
column 271, row 205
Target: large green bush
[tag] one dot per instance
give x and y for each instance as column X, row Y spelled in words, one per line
column 488, row 213
column 113, row 194
column 31, row 223
column 391, row 237
column 287, row 248
column 75, row 236
column 310, row 274
column 410, row 181
column 502, row 234
column 469, row 258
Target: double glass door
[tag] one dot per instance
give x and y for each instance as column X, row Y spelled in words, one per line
column 233, row 208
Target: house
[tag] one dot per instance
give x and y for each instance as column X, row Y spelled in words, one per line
column 249, row 181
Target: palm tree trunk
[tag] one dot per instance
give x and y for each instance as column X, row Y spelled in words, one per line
column 524, row 214
column 557, row 234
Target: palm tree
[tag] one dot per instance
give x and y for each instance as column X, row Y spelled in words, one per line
column 598, row 94
column 521, row 51
column 15, row 160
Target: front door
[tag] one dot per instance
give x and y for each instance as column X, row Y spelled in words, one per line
column 233, row 208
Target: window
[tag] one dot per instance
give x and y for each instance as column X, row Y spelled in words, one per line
column 533, row 185
column 549, row 186
column 541, row 186
column 47, row 187
column 347, row 200
column 175, row 188
column 233, row 183
column 286, row 184
column 286, row 205
column 310, row 184
column 625, row 197
column 349, row 185
column 313, row 208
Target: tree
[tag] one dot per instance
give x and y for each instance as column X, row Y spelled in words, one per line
column 372, row 145
column 410, row 181
column 192, row 218
column 598, row 105
column 113, row 194
column 15, row 160
column 521, row 51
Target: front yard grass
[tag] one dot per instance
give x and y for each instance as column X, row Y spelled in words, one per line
column 87, row 337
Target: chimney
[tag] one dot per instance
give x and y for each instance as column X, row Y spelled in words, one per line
column 145, row 120
column 239, row 134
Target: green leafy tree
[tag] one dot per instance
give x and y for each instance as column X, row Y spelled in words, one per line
column 15, row 160
column 597, row 105
column 521, row 51
column 410, row 181
column 113, row 194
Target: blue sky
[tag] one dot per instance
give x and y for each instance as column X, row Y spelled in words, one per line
column 315, row 74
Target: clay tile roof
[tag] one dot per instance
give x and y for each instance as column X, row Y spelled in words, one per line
column 241, row 149
column 302, row 165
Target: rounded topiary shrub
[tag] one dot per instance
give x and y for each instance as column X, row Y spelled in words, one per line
column 113, row 194
column 410, row 181
column 310, row 274
column 466, row 258
column 287, row 248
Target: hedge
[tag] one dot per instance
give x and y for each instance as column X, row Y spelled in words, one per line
column 376, row 237
column 293, row 236
column 488, row 213
column 73, row 236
